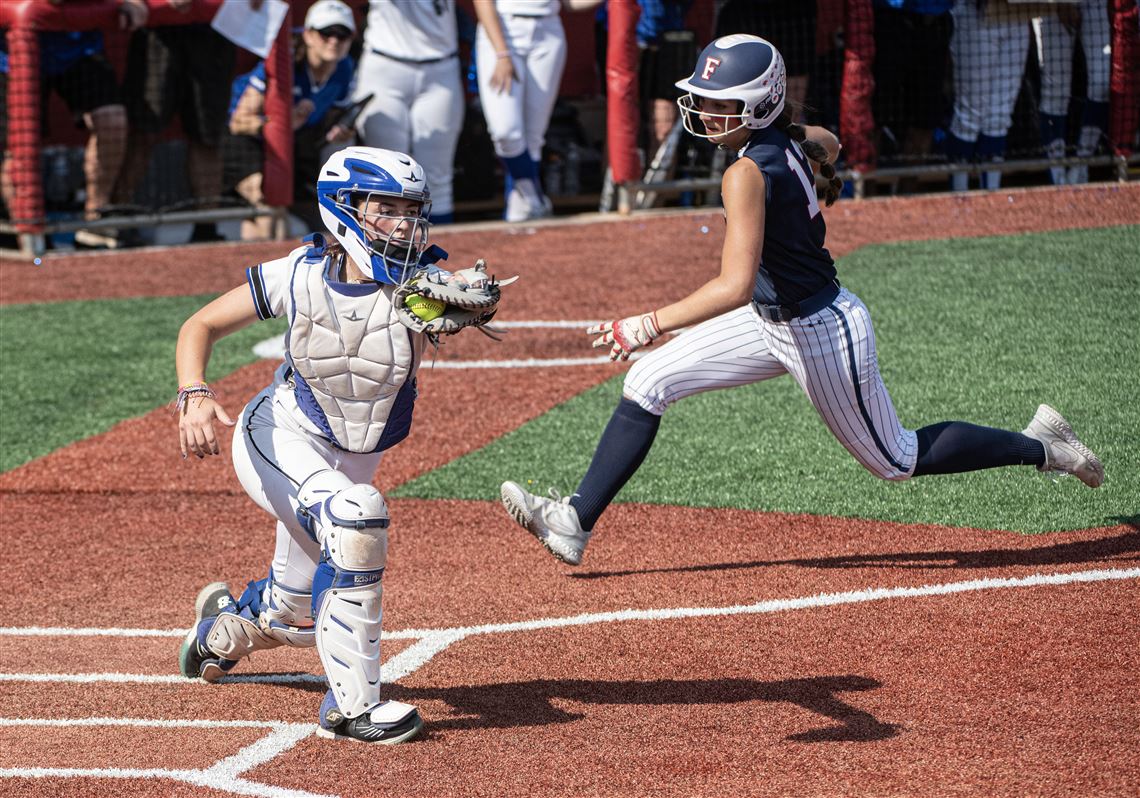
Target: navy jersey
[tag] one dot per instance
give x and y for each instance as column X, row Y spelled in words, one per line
column 794, row 264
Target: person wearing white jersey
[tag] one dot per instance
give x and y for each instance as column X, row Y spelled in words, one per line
column 987, row 50
column 520, row 52
column 307, row 445
column 775, row 308
column 410, row 66
column 1055, row 34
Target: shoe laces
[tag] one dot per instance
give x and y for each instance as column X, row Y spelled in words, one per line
column 560, row 508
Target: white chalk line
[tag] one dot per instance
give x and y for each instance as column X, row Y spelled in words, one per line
column 224, row 775
column 430, row 642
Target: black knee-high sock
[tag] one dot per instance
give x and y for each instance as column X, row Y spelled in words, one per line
column 955, row 446
column 624, row 444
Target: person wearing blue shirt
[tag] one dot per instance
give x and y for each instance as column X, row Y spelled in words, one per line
column 73, row 65
column 323, row 83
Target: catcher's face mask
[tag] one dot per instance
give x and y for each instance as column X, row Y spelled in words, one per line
column 394, row 231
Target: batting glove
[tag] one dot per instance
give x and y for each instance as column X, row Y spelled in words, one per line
column 626, row 336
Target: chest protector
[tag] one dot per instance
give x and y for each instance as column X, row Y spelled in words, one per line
column 351, row 353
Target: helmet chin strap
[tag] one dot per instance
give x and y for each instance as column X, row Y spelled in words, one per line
column 395, row 256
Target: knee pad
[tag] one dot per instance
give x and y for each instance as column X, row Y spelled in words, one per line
column 349, row 520
column 509, row 148
column 267, row 615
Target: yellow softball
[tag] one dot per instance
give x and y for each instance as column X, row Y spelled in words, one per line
column 425, row 307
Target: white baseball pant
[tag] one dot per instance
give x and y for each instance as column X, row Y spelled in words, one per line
column 517, row 120
column 273, row 455
column 417, row 108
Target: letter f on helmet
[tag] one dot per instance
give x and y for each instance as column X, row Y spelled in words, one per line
column 710, row 66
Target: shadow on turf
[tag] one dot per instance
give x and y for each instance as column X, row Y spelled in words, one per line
column 535, row 703
column 1085, row 551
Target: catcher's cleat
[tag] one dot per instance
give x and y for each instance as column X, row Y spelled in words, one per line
column 1064, row 454
column 387, row 723
column 195, row 660
column 553, row 521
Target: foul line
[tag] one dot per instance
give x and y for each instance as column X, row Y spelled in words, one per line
column 430, row 642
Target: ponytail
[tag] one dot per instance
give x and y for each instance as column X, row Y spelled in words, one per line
column 813, row 150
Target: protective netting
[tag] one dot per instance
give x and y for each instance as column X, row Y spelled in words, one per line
column 96, row 121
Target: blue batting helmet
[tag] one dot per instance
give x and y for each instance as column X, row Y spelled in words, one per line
column 350, row 182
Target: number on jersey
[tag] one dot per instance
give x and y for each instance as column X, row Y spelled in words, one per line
column 807, row 182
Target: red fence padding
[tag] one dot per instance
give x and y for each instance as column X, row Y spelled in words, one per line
column 1124, row 93
column 622, row 113
column 856, row 120
column 277, row 171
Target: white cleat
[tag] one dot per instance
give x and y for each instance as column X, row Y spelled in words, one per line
column 1064, row 454
column 553, row 521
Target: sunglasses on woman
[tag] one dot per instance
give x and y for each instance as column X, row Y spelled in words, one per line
column 337, row 32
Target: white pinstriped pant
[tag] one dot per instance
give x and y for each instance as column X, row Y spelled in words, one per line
column 1055, row 52
column 831, row 355
column 988, row 54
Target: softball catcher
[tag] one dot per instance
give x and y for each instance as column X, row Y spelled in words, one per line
column 307, row 445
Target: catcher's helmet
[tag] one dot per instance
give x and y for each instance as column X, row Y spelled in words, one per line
column 348, row 181
column 736, row 67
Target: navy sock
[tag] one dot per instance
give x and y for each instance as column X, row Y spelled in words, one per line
column 521, row 167
column 952, row 447
column 991, row 148
column 1052, row 128
column 624, row 444
column 1095, row 115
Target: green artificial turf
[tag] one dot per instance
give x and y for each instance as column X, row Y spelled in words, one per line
column 980, row 330
column 74, row 369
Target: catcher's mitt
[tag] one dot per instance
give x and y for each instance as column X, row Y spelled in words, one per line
column 471, row 297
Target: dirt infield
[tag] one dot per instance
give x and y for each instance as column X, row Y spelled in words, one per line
column 697, row 652
column 555, row 250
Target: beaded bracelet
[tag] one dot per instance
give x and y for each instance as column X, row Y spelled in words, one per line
column 192, row 389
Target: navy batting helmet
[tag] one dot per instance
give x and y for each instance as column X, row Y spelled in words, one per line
column 737, row 67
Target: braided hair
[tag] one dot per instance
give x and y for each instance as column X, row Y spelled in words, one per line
column 817, row 152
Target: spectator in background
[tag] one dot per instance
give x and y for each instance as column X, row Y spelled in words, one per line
column 73, row 65
column 988, row 49
column 520, row 52
column 411, row 68
column 787, row 24
column 668, row 51
column 322, row 91
column 910, row 67
column 1055, row 34
column 183, row 69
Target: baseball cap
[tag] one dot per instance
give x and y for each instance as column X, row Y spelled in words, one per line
column 330, row 13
